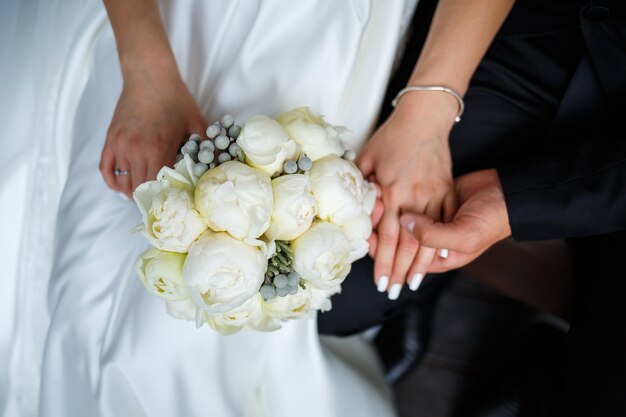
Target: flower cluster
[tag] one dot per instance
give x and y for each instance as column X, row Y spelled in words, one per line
column 255, row 224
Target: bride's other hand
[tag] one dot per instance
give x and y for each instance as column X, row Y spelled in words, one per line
column 155, row 111
column 410, row 157
column 409, row 154
column 151, row 120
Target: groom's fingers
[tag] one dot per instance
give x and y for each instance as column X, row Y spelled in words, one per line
column 455, row 260
column 449, row 207
column 456, row 236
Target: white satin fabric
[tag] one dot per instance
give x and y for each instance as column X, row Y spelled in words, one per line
column 111, row 350
column 43, row 45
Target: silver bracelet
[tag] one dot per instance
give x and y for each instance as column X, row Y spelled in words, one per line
column 456, row 95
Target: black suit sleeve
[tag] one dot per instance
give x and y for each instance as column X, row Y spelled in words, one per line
column 566, row 206
column 576, row 184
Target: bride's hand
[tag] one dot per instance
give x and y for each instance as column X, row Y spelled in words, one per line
column 410, row 158
column 155, row 110
column 154, row 114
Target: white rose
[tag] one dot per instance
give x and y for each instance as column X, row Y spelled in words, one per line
column 182, row 310
column 322, row 256
column 170, row 220
column 162, row 274
column 294, row 207
column 221, row 273
column 249, row 314
column 266, row 144
column 316, row 138
column 237, row 199
column 358, row 231
column 289, row 307
column 338, row 188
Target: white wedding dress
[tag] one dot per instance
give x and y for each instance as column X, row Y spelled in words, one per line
column 111, row 350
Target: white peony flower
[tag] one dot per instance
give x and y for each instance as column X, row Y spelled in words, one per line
column 358, row 231
column 294, row 207
column 249, row 314
column 170, row 220
column 293, row 306
column 182, row 310
column 237, row 199
column 316, row 138
column 266, row 144
column 322, row 257
column 222, row 273
column 162, row 274
column 339, row 190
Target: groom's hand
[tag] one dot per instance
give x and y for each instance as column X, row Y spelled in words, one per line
column 480, row 222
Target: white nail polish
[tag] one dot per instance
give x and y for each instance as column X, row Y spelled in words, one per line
column 416, row 281
column 394, row 291
column 411, row 226
column 382, row 283
column 443, row 253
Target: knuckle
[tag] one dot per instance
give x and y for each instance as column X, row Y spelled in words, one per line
column 395, row 193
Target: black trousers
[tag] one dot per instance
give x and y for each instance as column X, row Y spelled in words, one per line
column 510, row 109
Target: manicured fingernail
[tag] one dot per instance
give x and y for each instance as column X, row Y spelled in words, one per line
column 443, row 253
column 394, row 291
column 382, row 283
column 416, row 281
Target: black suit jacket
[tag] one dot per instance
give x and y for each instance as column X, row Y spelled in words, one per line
column 575, row 185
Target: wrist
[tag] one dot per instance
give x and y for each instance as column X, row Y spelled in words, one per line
column 146, row 61
column 145, row 51
column 441, row 75
column 436, row 109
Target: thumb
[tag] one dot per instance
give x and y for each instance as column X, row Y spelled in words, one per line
column 365, row 163
column 454, row 235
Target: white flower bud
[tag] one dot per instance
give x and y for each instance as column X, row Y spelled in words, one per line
column 266, row 144
column 316, row 138
column 339, row 190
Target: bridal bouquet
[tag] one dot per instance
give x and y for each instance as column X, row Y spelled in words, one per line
column 255, row 225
